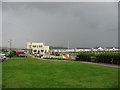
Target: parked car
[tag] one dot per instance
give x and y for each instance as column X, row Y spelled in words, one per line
column 22, row 55
column 2, row 57
column 5, row 53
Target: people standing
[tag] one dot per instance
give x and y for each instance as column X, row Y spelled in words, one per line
column 35, row 55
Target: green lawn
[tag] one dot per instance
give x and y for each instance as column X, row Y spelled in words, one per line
column 27, row 72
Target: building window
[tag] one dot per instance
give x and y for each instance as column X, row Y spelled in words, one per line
column 29, row 46
column 42, row 50
column 34, row 45
column 35, row 50
column 40, row 45
column 38, row 51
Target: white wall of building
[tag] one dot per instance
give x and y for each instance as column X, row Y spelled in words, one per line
column 37, row 47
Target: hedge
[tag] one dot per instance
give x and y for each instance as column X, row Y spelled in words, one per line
column 12, row 53
column 57, row 58
column 113, row 58
column 84, row 56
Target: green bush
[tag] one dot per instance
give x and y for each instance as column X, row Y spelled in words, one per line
column 84, row 56
column 4, row 50
column 12, row 53
column 113, row 58
column 57, row 58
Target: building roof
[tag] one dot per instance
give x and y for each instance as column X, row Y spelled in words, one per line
column 52, row 47
column 83, row 48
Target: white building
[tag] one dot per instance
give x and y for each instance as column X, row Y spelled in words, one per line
column 34, row 48
column 97, row 49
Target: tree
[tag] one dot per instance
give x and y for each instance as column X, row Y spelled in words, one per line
column 4, row 50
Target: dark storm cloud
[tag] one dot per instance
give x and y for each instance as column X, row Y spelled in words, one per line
column 83, row 24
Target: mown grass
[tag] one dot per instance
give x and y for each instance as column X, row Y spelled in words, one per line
column 33, row 73
column 0, row 75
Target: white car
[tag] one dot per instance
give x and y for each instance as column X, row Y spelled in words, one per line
column 2, row 58
column 3, row 54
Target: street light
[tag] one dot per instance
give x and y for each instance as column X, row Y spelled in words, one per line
column 10, row 41
column 68, row 46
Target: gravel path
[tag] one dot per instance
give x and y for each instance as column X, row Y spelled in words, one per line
column 102, row 64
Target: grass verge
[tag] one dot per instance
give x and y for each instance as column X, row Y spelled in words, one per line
column 20, row 72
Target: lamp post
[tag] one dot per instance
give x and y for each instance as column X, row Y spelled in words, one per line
column 68, row 46
column 10, row 41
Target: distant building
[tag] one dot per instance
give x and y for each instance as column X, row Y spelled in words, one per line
column 34, row 48
column 96, row 49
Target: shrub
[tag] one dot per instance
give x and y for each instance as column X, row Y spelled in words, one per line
column 57, row 58
column 12, row 53
column 84, row 56
column 4, row 50
column 109, row 58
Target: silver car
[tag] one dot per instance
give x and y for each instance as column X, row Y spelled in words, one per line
column 2, row 58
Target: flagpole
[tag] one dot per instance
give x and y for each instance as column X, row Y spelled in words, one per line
column 68, row 45
column 10, row 45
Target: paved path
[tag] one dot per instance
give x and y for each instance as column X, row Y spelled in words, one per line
column 102, row 64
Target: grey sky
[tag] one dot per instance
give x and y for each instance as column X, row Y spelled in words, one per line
column 83, row 24
column 0, row 23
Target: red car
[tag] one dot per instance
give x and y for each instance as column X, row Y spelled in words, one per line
column 19, row 52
